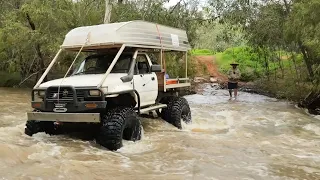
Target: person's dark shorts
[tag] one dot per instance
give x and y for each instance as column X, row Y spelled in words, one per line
column 232, row 85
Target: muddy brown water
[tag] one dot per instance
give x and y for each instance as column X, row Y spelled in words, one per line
column 255, row 137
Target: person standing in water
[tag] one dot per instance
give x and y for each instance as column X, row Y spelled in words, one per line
column 233, row 78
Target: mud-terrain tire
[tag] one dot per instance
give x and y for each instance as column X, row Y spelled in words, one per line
column 118, row 124
column 34, row 127
column 177, row 109
column 164, row 111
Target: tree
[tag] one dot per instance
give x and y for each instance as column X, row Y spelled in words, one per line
column 302, row 28
column 276, row 24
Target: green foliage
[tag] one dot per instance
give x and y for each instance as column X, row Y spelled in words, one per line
column 249, row 64
column 218, row 36
column 285, row 36
column 9, row 79
column 293, row 26
column 290, row 87
column 252, row 63
column 303, row 25
column 175, row 64
column 202, row 52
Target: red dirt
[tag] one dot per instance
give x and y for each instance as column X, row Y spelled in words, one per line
column 211, row 66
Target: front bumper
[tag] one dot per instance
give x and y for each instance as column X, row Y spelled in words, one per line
column 64, row 117
column 70, row 107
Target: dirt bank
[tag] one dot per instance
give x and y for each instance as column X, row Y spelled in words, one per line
column 208, row 72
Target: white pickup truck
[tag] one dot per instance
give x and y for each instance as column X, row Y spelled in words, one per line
column 113, row 85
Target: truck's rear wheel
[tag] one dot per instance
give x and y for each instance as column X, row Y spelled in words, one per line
column 118, row 124
column 177, row 110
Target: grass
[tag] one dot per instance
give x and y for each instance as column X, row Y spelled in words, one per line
column 251, row 63
column 288, row 87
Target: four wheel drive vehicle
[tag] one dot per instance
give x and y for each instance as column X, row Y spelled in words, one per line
column 111, row 87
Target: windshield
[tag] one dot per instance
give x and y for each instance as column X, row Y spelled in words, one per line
column 99, row 64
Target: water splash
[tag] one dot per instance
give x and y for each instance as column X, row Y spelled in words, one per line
column 254, row 137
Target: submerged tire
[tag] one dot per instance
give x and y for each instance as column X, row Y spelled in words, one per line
column 118, row 124
column 165, row 112
column 34, row 127
column 177, row 110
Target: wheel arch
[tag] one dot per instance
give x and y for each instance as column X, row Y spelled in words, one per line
column 131, row 97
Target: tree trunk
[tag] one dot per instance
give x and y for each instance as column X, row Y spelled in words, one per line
column 306, row 59
column 266, row 63
column 312, row 102
column 37, row 48
column 287, row 6
column 41, row 63
column 36, row 80
column 22, row 67
column 295, row 64
column 280, row 64
column 107, row 15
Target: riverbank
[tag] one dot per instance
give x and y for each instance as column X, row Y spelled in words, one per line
column 281, row 89
column 311, row 103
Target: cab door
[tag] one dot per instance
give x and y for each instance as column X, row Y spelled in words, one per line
column 145, row 82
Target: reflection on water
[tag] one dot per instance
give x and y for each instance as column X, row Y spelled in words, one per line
column 254, row 137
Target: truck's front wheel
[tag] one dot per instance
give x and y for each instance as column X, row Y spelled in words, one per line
column 118, row 124
column 34, row 127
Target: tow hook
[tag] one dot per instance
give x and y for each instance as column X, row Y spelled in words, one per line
column 57, row 123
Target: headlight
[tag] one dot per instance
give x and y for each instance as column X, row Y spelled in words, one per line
column 94, row 93
column 39, row 95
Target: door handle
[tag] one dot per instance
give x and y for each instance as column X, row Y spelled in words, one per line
column 152, row 79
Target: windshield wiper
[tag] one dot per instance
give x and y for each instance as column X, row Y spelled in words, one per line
column 78, row 73
column 90, row 72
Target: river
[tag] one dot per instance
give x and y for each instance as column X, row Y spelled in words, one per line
column 254, row 137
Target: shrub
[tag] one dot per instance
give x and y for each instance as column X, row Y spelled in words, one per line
column 175, row 65
column 248, row 60
column 9, row 79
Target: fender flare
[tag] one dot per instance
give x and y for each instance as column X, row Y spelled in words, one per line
column 130, row 91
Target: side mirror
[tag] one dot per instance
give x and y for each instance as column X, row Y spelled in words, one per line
column 127, row 78
column 156, row 68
